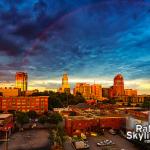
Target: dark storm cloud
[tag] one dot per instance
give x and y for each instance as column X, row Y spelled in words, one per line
column 28, row 30
column 9, row 47
column 43, row 19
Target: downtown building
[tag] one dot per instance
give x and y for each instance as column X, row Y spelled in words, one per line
column 88, row 91
column 130, row 92
column 22, row 81
column 24, row 104
column 6, row 125
column 19, row 89
column 15, row 99
column 118, row 90
column 121, row 95
column 83, row 124
column 65, row 88
column 9, row 91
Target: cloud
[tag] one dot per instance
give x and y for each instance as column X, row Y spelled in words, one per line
column 88, row 39
column 9, row 47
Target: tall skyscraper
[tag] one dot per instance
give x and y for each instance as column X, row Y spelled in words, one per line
column 65, row 88
column 22, row 81
column 118, row 88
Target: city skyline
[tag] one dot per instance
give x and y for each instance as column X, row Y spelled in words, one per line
column 90, row 40
column 72, row 82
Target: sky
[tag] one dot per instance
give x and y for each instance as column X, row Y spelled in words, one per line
column 91, row 40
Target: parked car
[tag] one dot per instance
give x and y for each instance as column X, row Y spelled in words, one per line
column 100, row 144
column 105, row 142
column 113, row 132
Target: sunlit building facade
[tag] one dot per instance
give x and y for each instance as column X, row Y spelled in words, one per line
column 22, row 81
column 96, row 91
column 84, row 89
column 24, row 104
column 118, row 87
column 130, row 92
column 117, row 90
column 65, row 88
column 134, row 100
column 89, row 91
column 9, row 91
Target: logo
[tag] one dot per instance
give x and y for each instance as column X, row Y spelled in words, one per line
column 141, row 133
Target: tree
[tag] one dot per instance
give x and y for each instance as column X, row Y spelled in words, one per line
column 54, row 103
column 54, row 118
column 129, row 102
column 32, row 114
column 146, row 104
column 61, row 134
column 42, row 119
column 58, row 100
column 110, row 101
column 22, row 118
column 57, row 136
column 79, row 98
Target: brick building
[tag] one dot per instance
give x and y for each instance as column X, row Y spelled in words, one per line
column 118, row 87
column 96, row 91
column 6, row 125
column 130, row 92
column 89, row 91
column 139, row 99
column 9, row 91
column 86, row 124
column 37, row 103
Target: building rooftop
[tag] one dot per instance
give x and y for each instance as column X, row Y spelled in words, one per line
column 94, row 117
column 3, row 116
column 23, row 96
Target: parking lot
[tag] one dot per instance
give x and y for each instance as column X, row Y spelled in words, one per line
column 119, row 143
column 27, row 140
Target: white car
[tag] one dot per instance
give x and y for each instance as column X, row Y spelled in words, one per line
column 100, row 144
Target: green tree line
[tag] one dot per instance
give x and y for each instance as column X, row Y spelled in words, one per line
column 61, row 99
